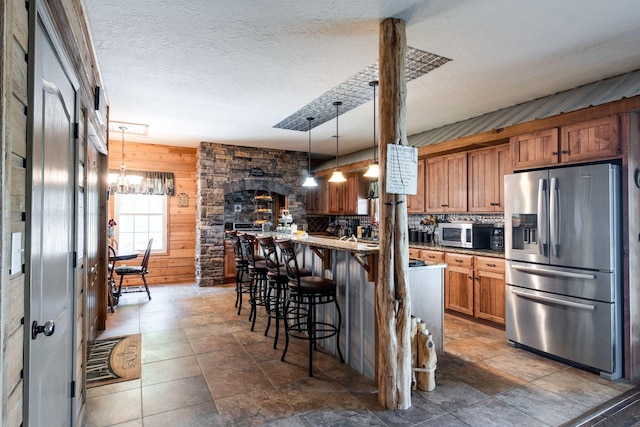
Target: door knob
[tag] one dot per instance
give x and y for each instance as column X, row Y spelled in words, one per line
column 48, row 329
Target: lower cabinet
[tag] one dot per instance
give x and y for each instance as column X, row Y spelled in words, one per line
column 473, row 285
column 458, row 283
column 489, row 289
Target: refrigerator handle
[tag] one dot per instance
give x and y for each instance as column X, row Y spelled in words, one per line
column 542, row 216
column 554, row 218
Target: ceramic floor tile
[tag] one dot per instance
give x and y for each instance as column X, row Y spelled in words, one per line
column 169, row 350
column 113, row 408
column 175, row 394
column 548, row 407
column 168, row 370
column 493, row 413
column 211, row 343
column 154, row 339
column 451, row 394
column 114, row 388
column 341, row 418
column 486, row 378
column 525, row 365
column 203, row 414
column 236, row 380
column 253, row 408
column 573, row 385
column 159, row 325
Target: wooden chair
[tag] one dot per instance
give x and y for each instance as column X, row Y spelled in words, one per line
column 140, row 270
column 111, row 281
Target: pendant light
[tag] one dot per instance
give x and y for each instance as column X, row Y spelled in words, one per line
column 337, row 175
column 374, row 168
column 124, row 180
column 310, row 181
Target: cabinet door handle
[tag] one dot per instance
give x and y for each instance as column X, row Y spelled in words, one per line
column 444, row 206
column 491, row 265
column 478, row 279
column 554, row 153
column 470, row 277
column 431, row 256
column 564, row 152
column 457, row 260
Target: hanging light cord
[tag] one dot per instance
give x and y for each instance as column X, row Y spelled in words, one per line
column 337, row 104
column 122, row 166
column 309, row 154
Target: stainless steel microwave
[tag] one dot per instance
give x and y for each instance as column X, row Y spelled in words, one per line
column 465, row 235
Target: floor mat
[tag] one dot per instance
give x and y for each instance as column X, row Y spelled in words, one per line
column 115, row 359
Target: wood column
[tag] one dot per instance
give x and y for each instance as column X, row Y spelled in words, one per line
column 393, row 308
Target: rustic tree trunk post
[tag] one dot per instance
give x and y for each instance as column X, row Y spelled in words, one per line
column 393, row 309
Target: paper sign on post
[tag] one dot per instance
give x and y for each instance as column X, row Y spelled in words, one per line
column 402, row 169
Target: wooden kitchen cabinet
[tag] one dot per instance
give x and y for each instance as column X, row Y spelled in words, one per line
column 489, row 289
column 591, row 140
column 535, row 149
column 458, row 283
column 446, row 186
column 487, row 168
column 348, row 198
column 318, row 198
column 432, row 256
column 596, row 139
column 415, row 204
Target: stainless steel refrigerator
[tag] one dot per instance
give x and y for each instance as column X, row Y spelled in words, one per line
column 563, row 270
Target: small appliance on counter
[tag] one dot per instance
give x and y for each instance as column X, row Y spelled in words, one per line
column 467, row 235
column 496, row 242
column 332, row 229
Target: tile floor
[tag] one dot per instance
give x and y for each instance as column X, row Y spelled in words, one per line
column 202, row 366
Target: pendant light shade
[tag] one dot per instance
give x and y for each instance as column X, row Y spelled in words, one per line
column 337, row 175
column 374, row 168
column 310, row 181
column 124, row 180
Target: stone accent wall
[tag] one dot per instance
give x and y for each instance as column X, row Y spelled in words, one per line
column 225, row 168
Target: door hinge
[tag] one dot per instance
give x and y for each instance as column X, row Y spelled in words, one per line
column 76, row 130
column 73, row 389
column 75, row 259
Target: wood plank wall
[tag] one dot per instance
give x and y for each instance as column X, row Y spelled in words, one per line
column 178, row 265
column 13, row 125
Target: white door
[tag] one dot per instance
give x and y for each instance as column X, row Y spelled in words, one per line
column 49, row 320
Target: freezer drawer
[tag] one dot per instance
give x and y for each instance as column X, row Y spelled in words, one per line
column 587, row 284
column 579, row 330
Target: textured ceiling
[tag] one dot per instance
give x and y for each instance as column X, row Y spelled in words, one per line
column 228, row 71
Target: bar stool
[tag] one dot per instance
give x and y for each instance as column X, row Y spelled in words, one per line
column 305, row 294
column 242, row 268
column 277, row 289
column 258, row 276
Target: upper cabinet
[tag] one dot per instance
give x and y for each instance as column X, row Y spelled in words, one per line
column 596, row 139
column 447, row 183
column 591, row 140
column 487, row 168
column 535, row 149
column 348, row 198
column 318, row 198
column 415, row 204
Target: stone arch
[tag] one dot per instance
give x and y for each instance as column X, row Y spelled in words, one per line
column 252, row 184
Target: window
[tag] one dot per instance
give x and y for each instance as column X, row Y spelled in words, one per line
column 139, row 218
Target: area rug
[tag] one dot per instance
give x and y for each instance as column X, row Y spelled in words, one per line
column 113, row 360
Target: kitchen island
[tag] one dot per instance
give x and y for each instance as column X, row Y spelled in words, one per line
column 353, row 266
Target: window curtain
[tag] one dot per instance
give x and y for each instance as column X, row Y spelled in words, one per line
column 158, row 183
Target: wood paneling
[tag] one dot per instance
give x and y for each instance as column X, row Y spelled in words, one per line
column 178, row 264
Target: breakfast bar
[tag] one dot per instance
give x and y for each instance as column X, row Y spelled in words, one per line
column 353, row 265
